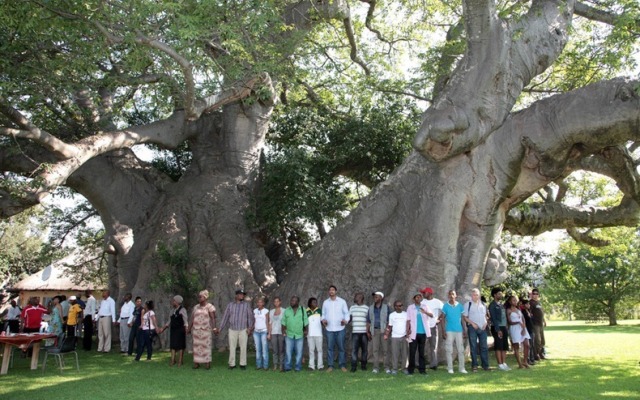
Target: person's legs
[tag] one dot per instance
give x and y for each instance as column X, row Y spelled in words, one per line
column 376, row 348
column 243, row 338
column 331, row 342
column 354, row 351
column 299, row 345
column 258, row 343
column 413, row 347
column 448, row 345
column 124, row 337
column 432, row 347
column 312, row 352
column 537, row 329
column 265, row 350
column 364, row 345
column 422, row 339
column 133, row 333
column 233, row 344
column 484, row 349
column 473, row 346
column 149, row 340
column 88, row 334
column 460, row 347
column 318, row 340
column 395, row 353
column 342, row 357
column 287, row 356
column 106, row 323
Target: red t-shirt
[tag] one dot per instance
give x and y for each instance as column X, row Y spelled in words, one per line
column 32, row 316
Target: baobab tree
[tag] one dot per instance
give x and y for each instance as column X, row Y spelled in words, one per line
column 84, row 82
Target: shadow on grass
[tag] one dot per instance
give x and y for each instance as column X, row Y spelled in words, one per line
column 113, row 376
column 596, row 328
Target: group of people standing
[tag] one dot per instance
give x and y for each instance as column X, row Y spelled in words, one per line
column 402, row 339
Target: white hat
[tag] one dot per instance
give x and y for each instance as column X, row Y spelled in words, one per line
column 380, row 294
column 72, row 298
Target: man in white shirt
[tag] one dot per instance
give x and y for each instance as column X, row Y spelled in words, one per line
column 397, row 330
column 89, row 314
column 13, row 318
column 431, row 346
column 125, row 313
column 335, row 316
column 106, row 317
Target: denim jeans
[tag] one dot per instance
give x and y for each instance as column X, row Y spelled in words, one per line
column 359, row 341
column 262, row 349
column 475, row 336
column 334, row 338
column 289, row 345
column 145, row 340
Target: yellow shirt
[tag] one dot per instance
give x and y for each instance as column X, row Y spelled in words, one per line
column 74, row 311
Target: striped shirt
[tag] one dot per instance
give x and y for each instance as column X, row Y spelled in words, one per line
column 238, row 315
column 359, row 318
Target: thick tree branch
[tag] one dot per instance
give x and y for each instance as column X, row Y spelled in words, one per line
column 500, row 60
column 594, row 14
column 585, row 237
column 353, row 54
column 536, row 218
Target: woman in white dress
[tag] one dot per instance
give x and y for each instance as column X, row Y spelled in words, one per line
column 517, row 330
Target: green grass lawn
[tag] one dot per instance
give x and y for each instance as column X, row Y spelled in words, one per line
column 585, row 361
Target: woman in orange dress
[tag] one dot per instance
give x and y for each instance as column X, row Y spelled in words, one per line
column 203, row 321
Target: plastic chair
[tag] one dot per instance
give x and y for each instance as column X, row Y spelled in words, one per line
column 67, row 346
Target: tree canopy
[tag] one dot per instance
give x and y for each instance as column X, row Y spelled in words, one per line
column 516, row 97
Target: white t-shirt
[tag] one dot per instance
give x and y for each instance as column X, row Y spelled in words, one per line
column 315, row 325
column 398, row 324
column 435, row 306
column 261, row 319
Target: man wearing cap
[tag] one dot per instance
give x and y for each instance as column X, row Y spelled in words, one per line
column 240, row 318
column 125, row 313
column 377, row 320
column 431, row 345
column 335, row 316
column 105, row 318
column 74, row 316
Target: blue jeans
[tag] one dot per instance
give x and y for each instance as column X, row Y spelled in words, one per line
column 475, row 336
column 145, row 338
column 262, row 350
column 332, row 339
column 289, row 348
column 359, row 341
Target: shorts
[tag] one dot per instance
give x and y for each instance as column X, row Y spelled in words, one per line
column 501, row 344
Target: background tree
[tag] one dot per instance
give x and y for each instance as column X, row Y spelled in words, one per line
column 84, row 82
column 598, row 282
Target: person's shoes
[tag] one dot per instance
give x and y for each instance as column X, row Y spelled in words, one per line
column 343, row 369
column 207, row 365
column 375, row 370
column 450, row 371
column 363, row 368
column 543, row 357
column 353, row 369
column 486, row 369
column 407, row 372
column 320, row 368
column 423, row 373
column 474, row 369
column 196, row 366
column 434, row 368
column 311, row 369
column 464, row 371
column 330, row 369
column 388, row 371
column 232, row 366
column 243, row 367
column 394, row 372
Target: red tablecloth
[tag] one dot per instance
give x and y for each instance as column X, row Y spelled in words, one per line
column 22, row 340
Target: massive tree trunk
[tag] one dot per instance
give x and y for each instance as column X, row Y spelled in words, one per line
column 200, row 219
column 435, row 223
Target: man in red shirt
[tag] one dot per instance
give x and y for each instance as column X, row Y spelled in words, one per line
column 31, row 316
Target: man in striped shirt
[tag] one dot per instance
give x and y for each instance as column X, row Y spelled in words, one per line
column 359, row 339
column 240, row 318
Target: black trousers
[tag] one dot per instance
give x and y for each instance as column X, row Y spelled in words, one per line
column 88, row 332
column 417, row 345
